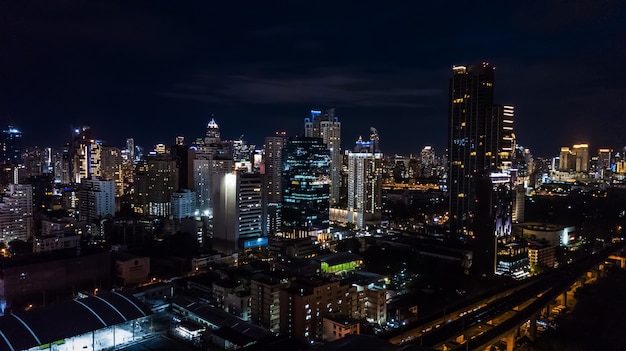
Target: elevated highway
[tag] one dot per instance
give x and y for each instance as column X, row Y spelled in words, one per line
column 499, row 317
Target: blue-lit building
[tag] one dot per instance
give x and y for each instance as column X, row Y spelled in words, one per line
column 10, row 149
column 306, row 188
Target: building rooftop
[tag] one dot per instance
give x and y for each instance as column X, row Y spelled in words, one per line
column 220, row 318
column 334, row 259
column 227, row 283
column 24, row 330
column 236, row 337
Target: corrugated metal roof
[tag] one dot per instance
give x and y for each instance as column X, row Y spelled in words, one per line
column 23, row 330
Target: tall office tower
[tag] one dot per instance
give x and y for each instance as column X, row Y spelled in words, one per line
column 306, row 188
column 64, row 169
column 156, row 179
column 564, row 159
column 519, row 205
column 130, row 149
column 111, row 167
column 32, row 160
column 50, row 157
column 327, row 126
column 85, row 155
column 604, row 162
column 210, row 156
column 427, row 158
column 79, row 154
column 16, row 213
column 479, row 140
column 582, row 157
column 237, row 216
column 96, row 199
column 242, row 152
column 184, row 161
column 183, row 204
column 10, row 146
column 364, row 184
column 272, row 183
column 506, row 137
column 575, row 159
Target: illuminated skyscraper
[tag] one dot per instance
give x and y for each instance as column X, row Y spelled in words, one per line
column 273, row 168
column 96, row 199
column 306, row 188
column 575, row 159
column 427, row 158
column 480, row 139
column 156, row 179
column 480, row 142
column 83, row 155
column 212, row 156
column 237, row 220
column 10, row 146
column 326, row 125
column 183, row 204
column 364, row 183
column 273, row 158
column 16, row 213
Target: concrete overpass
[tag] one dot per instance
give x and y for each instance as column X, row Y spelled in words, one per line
column 501, row 319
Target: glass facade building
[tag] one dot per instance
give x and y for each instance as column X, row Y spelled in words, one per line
column 306, row 188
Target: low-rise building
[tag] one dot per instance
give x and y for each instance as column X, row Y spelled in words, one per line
column 338, row 326
column 305, row 303
column 541, row 254
column 265, row 301
column 131, row 269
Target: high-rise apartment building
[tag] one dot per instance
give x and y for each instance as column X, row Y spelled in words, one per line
column 96, row 199
column 364, row 184
column 156, row 179
column 326, row 125
column 273, row 158
column 183, row 204
column 272, row 183
column 16, row 213
column 306, row 188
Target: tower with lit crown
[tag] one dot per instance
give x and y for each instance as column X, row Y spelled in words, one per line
column 212, row 156
column 364, row 182
column 10, row 146
column 326, row 125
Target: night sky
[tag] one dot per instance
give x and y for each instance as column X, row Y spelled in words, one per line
column 156, row 69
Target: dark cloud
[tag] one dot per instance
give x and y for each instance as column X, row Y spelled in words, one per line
column 328, row 89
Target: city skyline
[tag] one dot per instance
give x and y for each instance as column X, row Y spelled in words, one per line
column 156, row 72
